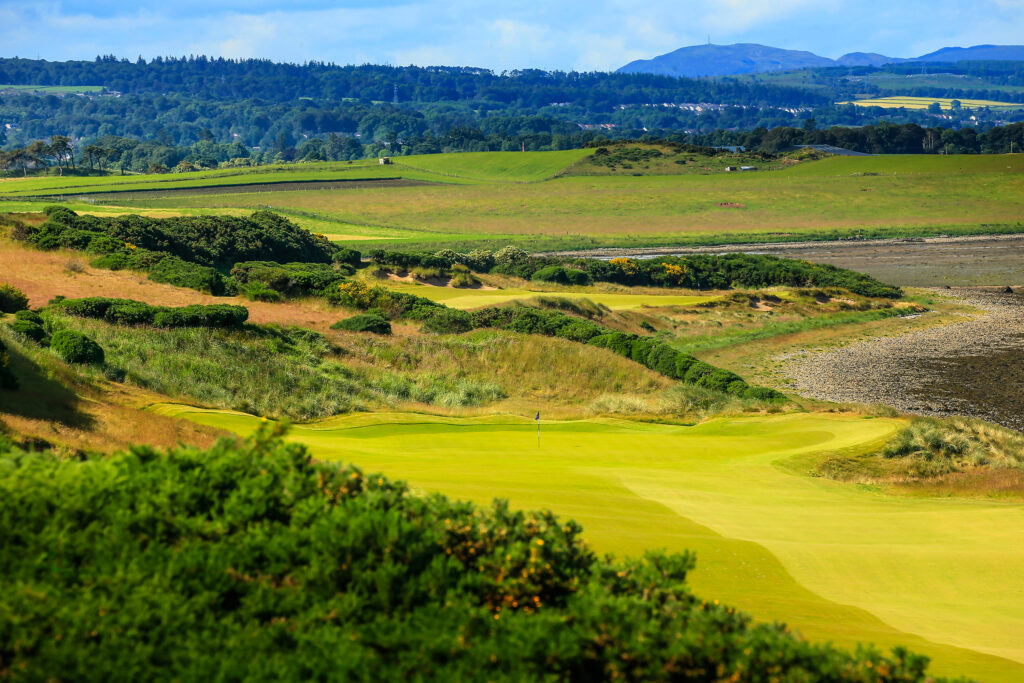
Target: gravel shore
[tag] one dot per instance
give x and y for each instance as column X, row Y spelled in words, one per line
column 974, row 368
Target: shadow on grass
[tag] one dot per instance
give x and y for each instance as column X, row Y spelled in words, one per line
column 40, row 395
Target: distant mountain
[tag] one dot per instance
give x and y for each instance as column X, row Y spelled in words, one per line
column 721, row 60
column 748, row 58
column 865, row 59
column 1009, row 53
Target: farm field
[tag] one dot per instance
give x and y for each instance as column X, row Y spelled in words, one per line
column 834, row 197
column 908, row 102
column 836, row 561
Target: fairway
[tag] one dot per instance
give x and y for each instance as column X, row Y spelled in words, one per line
column 475, row 298
column 837, row 561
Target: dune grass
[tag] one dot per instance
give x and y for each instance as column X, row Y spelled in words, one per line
column 834, row 560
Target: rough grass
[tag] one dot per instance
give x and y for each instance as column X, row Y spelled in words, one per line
column 931, row 449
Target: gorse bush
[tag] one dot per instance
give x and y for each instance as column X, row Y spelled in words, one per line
column 30, row 329
column 447, row 321
column 251, row 561
column 561, row 275
column 75, row 347
column 12, row 299
column 218, row 241
column 394, row 304
column 130, row 312
column 364, row 322
column 290, row 279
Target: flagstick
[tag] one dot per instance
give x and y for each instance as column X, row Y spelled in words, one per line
column 538, row 435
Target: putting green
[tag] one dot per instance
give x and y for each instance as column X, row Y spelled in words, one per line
column 836, row 561
column 475, row 298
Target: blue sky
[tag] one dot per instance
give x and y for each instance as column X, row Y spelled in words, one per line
column 583, row 35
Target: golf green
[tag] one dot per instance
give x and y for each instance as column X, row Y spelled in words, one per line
column 836, row 561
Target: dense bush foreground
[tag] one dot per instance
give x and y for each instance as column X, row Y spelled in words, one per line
column 251, row 561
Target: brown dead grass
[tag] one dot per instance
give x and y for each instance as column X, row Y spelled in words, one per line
column 43, row 275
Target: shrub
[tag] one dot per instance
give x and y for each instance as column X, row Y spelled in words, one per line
column 30, row 329
column 196, row 315
column 31, row 316
column 258, row 291
column 75, row 347
column 12, row 299
column 175, row 271
column 364, row 322
column 131, row 313
column 290, row 279
column 447, row 321
column 561, row 275
column 350, row 257
column 250, row 560
column 763, row 394
column 89, row 307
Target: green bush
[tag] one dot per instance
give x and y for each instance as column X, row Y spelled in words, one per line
column 447, row 321
column 89, row 307
column 175, row 271
column 251, row 561
column 562, row 275
column 12, row 299
column 30, row 329
column 75, row 347
column 30, row 315
column 763, row 394
column 133, row 313
column 258, row 291
column 196, row 315
column 364, row 322
column 350, row 257
column 290, row 279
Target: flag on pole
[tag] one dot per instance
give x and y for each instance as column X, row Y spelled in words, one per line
column 538, row 416
column 537, row 420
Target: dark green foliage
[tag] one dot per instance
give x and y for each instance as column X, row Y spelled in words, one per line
column 215, row 315
column 562, row 276
column 30, row 329
column 364, row 322
column 7, row 378
column 175, row 271
column 290, row 279
column 217, row 241
column 392, row 304
column 640, row 349
column 447, row 321
column 762, row 394
column 252, row 561
column 257, row 291
column 130, row 312
column 350, row 257
column 12, row 299
column 537, row 321
column 31, row 316
column 75, row 347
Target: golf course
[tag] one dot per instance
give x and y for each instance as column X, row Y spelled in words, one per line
column 839, row 562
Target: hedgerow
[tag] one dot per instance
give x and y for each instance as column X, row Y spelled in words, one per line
column 290, row 279
column 130, row 312
column 251, row 561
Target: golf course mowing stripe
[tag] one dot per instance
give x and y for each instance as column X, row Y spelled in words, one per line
column 834, row 560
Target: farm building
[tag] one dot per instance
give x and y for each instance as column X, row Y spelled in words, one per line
column 730, row 169
column 384, row 161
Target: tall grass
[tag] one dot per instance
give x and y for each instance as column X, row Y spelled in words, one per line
column 267, row 371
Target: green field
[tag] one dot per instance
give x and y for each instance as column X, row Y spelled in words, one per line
column 508, row 201
column 837, row 561
column 907, row 102
column 54, row 88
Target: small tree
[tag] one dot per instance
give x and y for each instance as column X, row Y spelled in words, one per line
column 12, row 299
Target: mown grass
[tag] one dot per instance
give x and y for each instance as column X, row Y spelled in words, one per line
column 835, row 561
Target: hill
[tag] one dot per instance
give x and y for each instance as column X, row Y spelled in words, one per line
column 718, row 60
column 747, row 58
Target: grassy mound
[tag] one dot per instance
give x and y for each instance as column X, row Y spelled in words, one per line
column 251, row 561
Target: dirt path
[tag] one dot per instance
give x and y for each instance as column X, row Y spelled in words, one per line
column 975, row 367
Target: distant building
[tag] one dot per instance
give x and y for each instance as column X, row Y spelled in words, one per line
column 731, row 168
column 384, row 161
column 748, row 168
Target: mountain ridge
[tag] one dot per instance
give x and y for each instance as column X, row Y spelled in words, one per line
column 746, row 58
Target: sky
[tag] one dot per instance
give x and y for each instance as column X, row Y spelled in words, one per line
column 589, row 35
